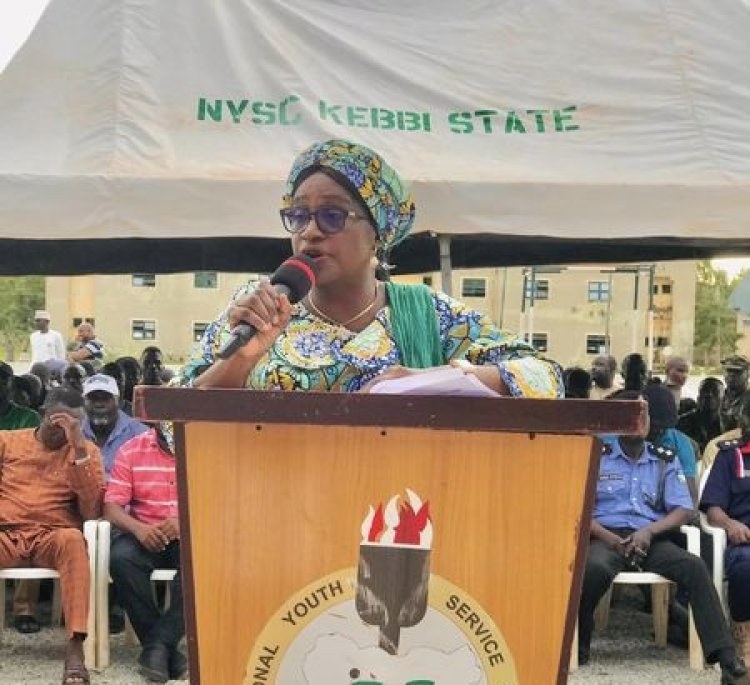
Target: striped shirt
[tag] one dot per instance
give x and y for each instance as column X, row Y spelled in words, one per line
column 143, row 478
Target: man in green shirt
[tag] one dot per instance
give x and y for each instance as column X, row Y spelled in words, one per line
column 14, row 417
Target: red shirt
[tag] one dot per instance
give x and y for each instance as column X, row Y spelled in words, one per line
column 143, row 478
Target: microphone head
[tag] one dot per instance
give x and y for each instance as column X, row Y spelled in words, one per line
column 297, row 273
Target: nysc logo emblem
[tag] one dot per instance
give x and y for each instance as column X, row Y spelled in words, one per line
column 389, row 621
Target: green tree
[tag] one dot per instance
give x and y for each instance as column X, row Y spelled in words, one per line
column 19, row 297
column 716, row 333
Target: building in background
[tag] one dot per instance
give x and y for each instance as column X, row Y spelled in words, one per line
column 571, row 313
column 739, row 300
column 133, row 311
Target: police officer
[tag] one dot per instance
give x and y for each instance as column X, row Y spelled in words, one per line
column 726, row 501
column 736, row 370
column 641, row 499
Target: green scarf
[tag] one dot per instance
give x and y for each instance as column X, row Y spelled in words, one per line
column 415, row 325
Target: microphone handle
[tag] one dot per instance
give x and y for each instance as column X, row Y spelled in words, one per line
column 243, row 332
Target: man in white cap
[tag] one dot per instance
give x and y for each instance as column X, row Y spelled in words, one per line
column 45, row 343
column 106, row 425
column 109, row 428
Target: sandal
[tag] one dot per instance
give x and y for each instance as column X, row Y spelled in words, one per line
column 76, row 675
column 26, row 624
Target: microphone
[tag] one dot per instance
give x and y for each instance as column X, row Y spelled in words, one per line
column 293, row 278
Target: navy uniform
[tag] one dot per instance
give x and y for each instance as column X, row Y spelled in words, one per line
column 728, row 487
column 631, row 495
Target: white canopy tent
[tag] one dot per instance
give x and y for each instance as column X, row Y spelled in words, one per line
column 558, row 130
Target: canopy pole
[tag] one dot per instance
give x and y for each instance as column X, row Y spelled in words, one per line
column 651, row 283
column 446, row 271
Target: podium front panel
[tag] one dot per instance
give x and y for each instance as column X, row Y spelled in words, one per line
column 285, row 583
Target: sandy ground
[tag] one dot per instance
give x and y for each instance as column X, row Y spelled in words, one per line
column 623, row 654
column 37, row 659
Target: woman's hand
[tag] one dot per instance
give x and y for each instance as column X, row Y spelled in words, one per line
column 489, row 375
column 264, row 309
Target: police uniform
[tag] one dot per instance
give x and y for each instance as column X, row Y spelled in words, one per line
column 631, row 495
column 728, row 487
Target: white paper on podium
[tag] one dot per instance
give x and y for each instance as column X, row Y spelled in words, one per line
column 438, row 382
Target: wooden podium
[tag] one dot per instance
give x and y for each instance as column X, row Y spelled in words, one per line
column 280, row 494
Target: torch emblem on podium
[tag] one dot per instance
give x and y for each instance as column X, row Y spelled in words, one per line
column 394, row 567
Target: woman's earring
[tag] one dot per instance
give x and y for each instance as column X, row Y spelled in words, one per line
column 384, row 268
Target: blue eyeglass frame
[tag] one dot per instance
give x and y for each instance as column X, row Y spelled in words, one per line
column 325, row 227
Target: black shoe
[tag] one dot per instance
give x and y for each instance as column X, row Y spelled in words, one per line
column 26, row 624
column 153, row 663
column 178, row 665
column 734, row 673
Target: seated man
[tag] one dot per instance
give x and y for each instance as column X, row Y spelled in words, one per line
column 641, row 498
column 109, row 428
column 51, row 479
column 141, row 500
column 87, row 347
column 106, row 425
column 603, row 372
column 726, row 501
column 15, row 417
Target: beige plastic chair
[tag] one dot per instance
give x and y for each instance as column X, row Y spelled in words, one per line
column 89, row 645
column 660, row 588
column 102, row 594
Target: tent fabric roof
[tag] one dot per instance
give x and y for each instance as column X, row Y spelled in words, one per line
column 143, row 132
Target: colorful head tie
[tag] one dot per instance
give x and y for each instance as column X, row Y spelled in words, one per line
column 383, row 192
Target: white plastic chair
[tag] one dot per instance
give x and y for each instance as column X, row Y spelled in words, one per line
column 33, row 573
column 102, row 594
column 719, row 540
column 660, row 587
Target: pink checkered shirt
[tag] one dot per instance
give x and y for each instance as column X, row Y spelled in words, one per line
column 143, row 478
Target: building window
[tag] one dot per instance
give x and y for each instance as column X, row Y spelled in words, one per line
column 473, row 287
column 199, row 329
column 539, row 341
column 598, row 291
column 596, row 344
column 144, row 329
column 540, row 290
column 78, row 320
column 666, row 288
column 659, row 341
column 427, row 280
column 144, row 280
column 746, row 323
column 206, row 279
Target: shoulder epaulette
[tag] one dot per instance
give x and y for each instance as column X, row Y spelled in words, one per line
column 728, row 444
column 663, row 453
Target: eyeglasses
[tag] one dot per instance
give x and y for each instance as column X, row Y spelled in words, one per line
column 329, row 220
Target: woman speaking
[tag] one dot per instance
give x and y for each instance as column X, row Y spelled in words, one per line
column 345, row 208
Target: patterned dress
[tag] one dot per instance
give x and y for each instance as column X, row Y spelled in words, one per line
column 312, row 354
